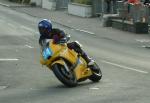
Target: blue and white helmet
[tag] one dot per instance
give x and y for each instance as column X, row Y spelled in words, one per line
column 45, row 26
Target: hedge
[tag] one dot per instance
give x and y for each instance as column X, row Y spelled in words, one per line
column 20, row 1
column 87, row 2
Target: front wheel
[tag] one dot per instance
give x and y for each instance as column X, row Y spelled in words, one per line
column 97, row 75
column 68, row 78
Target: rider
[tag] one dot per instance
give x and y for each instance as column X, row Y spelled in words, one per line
column 47, row 32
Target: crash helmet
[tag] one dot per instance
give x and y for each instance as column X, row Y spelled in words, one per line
column 45, row 27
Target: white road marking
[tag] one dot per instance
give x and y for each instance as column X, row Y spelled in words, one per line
column 13, row 26
column 1, row 59
column 3, row 87
column 94, row 88
column 144, row 46
column 29, row 46
column 143, row 40
column 27, row 28
column 125, row 67
column 4, row 4
column 86, row 31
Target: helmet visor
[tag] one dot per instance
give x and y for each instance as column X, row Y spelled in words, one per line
column 43, row 31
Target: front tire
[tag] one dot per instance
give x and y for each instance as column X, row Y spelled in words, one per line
column 96, row 76
column 67, row 78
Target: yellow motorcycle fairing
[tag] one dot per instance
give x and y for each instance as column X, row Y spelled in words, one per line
column 59, row 50
column 62, row 51
column 81, row 70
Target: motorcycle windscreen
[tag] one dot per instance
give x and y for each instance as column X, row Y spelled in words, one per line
column 47, row 53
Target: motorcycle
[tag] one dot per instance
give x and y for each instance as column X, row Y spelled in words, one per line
column 67, row 65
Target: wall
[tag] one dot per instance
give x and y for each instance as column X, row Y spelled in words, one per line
column 48, row 4
column 80, row 10
column 38, row 2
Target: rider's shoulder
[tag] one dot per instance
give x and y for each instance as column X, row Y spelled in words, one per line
column 57, row 30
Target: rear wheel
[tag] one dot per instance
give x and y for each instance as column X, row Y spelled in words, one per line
column 68, row 78
column 97, row 75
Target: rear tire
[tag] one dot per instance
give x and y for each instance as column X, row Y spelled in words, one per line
column 67, row 78
column 96, row 76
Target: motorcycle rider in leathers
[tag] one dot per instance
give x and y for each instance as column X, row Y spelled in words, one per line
column 47, row 32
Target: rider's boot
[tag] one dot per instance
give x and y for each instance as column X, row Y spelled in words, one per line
column 90, row 63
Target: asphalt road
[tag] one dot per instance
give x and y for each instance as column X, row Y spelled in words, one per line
column 124, row 63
